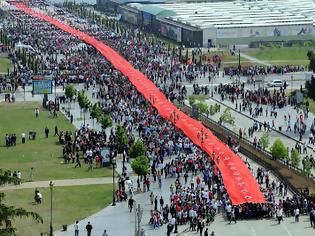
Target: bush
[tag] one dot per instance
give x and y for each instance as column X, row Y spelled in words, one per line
column 106, row 121
column 295, row 158
column 137, row 149
column 278, row 150
column 227, row 117
column 140, row 165
column 192, row 101
column 264, row 140
column 203, row 107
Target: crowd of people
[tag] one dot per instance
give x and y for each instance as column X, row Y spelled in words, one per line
column 198, row 193
column 263, row 70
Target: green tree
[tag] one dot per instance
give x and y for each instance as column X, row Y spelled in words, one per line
column 106, row 121
column 278, row 150
column 264, row 140
column 203, row 107
column 311, row 58
column 84, row 103
column 226, row 117
column 121, row 138
column 295, row 158
column 70, row 91
column 307, row 167
column 192, row 100
column 96, row 112
column 310, row 85
column 140, row 165
column 137, row 149
column 9, row 213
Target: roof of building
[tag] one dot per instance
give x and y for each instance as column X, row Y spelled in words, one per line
column 238, row 13
column 156, row 10
column 138, row 1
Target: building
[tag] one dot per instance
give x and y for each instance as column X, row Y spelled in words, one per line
column 225, row 23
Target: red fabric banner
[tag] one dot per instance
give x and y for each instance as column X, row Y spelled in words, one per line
column 238, row 181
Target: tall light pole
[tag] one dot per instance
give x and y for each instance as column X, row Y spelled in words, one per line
column 51, row 185
column 138, row 217
column 291, row 83
column 55, row 91
column 114, row 165
column 239, row 65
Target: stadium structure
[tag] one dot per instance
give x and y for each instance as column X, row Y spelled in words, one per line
column 221, row 23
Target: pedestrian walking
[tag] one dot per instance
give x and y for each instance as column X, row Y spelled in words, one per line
column 297, row 214
column 31, row 175
column 89, row 228
column 46, row 132
column 105, row 233
column 155, row 203
column 36, row 112
column 56, row 130
column 142, row 232
column 279, row 213
column 151, row 198
column 76, row 228
column 77, row 160
column 161, row 203
column 130, row 203
column 232, row 218
column 312, row 218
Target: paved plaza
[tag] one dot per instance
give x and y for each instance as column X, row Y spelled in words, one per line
column 110, row 215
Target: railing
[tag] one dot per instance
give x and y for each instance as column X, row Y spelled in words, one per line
column 288, row 174
column 251, row 118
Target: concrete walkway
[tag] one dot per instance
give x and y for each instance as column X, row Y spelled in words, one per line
column 255, row 60
column 59, row 183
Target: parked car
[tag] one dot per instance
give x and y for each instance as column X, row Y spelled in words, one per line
column 275, row 83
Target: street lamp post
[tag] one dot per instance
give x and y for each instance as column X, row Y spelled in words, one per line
column 24, row 84
column 114, row 165
column 55, row 91
column 51, row 185
column 239, row 65
column 174, row 116
column 291, row 83
column 138, row 217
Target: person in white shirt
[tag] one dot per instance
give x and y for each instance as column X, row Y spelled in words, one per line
column 297, row 214
column 23, row 137
column 279, row 213
column 76, row 228
column 19, row 175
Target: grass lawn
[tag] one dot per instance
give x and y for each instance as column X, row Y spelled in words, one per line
column 225, row 56
column 69, row 204
column 5, row 64
column 200, row 98
column 312, row 104
column 289, row 54
column 44, row 155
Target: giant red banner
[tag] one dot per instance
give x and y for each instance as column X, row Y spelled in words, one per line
column 238, row 180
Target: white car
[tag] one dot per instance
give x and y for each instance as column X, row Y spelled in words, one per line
column 275, row 83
